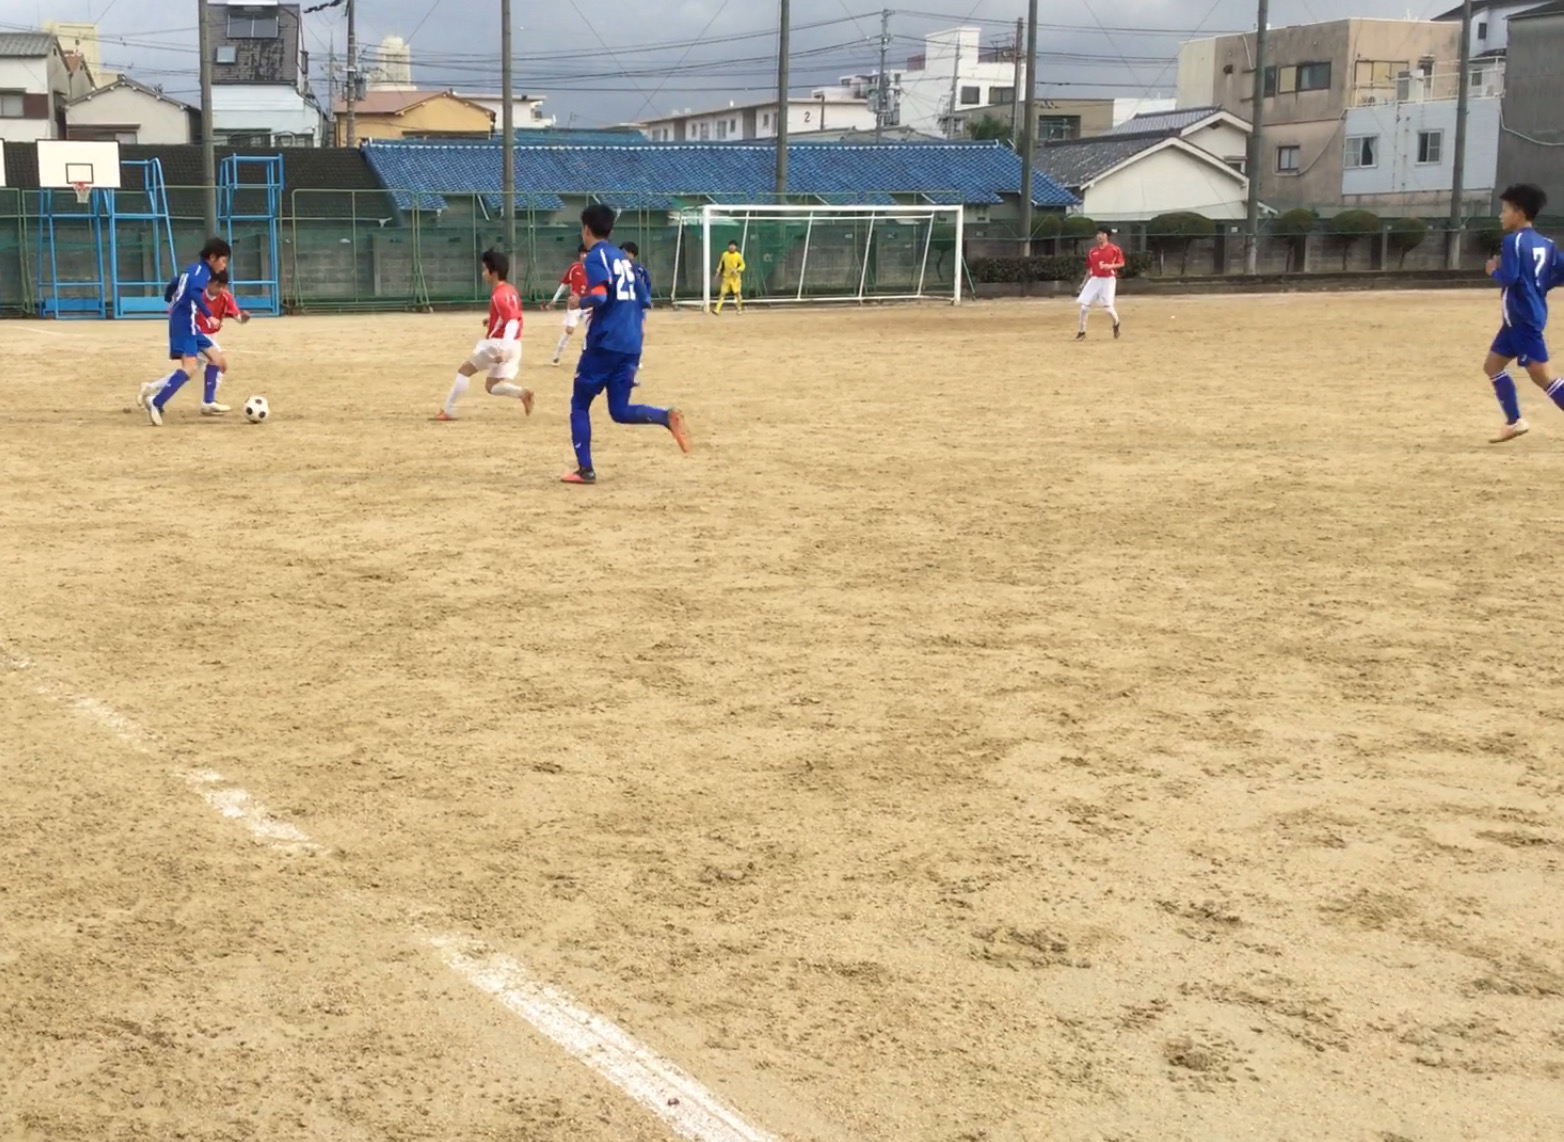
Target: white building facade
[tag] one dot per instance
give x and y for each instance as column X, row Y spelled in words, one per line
column 35, row 85
column 527, row 110
column 825, row 111
column 1491, row 24
column 954, row 71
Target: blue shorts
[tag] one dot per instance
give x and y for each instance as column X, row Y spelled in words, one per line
column 182, row 344
column 1525, row 345
column 600, row 369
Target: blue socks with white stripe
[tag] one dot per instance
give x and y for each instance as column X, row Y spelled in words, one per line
column 1556, row 392
column 175, row 383
column 1504, row 389
column 209, row 393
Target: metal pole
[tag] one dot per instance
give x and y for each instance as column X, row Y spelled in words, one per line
column 1028, row 142
column 208, row 148
column 1462, row 110
column 508, row 126
column 783, row 48
column 882, row 111
column 955, row 82
column 1015, row 91
column 352, row 139
column 1256, row 160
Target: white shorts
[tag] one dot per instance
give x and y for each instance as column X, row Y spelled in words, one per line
column 1099, row 290
column 500, row 359
column 574, row 317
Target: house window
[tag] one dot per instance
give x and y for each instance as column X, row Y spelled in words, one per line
column 13, row 105
column 765, row 120
column 722, row 129
column 971, row 96
column 1288, row 159
column 1314, row 77
column 1239, row 163
column 705, row 132
column 252, row 24
column 1482, row 30
column 227, row 54
column 1429, row 146
column 1051, row 128
column 1001, row 95
column 1362, row 151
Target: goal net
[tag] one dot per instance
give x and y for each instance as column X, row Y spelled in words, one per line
column 799, row 254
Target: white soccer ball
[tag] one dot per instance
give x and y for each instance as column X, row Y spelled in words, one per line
column 256, row 410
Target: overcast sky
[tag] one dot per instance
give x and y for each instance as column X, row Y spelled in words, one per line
column 610, row 61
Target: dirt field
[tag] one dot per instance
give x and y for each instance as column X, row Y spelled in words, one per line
column 981, row 738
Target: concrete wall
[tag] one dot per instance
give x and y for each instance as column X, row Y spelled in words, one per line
column 1397, row 178
column 154, row 120
column 1531, row 148
column 1197, row 73
column 1164, row 182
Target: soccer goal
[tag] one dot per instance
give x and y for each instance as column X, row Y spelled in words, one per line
column 798, row 254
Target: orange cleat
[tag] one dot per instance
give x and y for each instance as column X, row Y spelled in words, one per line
column 443, row 415
column 526, row 401
column 579, row 476
column 680, row 430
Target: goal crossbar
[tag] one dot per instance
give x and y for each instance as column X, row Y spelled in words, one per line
column 879, row 244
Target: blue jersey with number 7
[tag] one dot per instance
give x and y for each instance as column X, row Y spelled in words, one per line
column 1526, row 273
column 614, row 298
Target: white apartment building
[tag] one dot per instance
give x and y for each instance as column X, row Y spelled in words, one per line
column 829, row 109
column 527, row 109
column 954, row 71
column 1490, row 24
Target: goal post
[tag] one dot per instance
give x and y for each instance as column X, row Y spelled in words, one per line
column 802, row 254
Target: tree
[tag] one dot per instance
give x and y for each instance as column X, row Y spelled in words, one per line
column 1294, row 228
column 1349, row 227
column 1406, row 235
column 1047, row 225
column 1175, row 233
column 989, row 127
column 1075, row 227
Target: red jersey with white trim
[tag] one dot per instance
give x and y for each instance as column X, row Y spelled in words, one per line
column 1104, row 261
column 576, row 278
column 223, row 305
column 504, row 313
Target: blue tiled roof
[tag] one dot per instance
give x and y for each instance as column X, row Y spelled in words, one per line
column 670, row 176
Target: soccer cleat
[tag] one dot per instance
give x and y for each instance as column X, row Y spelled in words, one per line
column 154, row 414
column 1511, row 431
column 443, row 415
column 1115, row 330
column 526, row 400
column 579, row 476
column 214, row 409
column 680, row 430
column 555, row 361
column 1081, row 336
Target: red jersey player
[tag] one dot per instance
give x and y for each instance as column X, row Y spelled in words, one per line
column 573, row 282
column 1103, row 263
column 222, row 304
column 500, row 351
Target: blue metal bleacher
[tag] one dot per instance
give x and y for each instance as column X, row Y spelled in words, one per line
column 249, row 190
column 71, row 234
column 139, row 293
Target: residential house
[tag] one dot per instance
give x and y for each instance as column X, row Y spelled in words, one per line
column 414, row 114
column 1315, row 73
column 527, row 110
column 1531, row 139
column 1399, row 149
column 1490, row 24
column 827, row 110
column 36, row 82
column 128, row 112
column 1159, row 163
column 260, row 76
column 1060, row 120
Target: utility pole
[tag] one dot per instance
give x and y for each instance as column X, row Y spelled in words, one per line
column 783, row 47
column 1256, row 161
column 882, row 104
column 208, row 149
column 1028, row 129
column 1462, row 109
column 352, row 139
column 508, row 126
column 1015, row 89
column 955, row 82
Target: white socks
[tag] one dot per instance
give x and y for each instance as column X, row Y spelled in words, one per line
column 1113, row 313
column 458, row 390
column 559, row 350
column 1084, row 312
column 506, row 389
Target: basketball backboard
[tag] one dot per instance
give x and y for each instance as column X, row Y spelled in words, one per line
column 62, row 165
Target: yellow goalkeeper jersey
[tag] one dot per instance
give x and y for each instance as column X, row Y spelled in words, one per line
column 732, row 264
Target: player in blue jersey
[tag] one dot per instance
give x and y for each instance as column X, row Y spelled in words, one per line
column 1527, row 267
column 643, row 287
column 613, row 345
column 186, row 297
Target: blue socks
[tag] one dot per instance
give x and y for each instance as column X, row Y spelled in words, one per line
column 210, row 392
column 1556, row 392
column 175, row 383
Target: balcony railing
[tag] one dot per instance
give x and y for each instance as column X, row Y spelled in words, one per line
column 1487, row 83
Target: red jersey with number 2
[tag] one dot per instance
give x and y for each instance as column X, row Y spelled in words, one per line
column 223, row 305
column 576, row 278
column 1104, row 261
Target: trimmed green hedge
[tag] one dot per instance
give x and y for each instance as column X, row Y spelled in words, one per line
column 1048, row 268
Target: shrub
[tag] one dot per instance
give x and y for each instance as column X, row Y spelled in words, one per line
column 1048, row 268
column 1174, row 233
column 1406, row 235
column 1077, row 226
column 1351, row 226
column 1294, row 228
column 1489, row 231
column 1047, row 225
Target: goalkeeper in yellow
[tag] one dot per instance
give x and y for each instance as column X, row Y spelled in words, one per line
column 730, row 276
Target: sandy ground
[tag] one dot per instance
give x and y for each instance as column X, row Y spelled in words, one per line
column 981, row 738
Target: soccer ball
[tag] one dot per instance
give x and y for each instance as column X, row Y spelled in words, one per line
column 256, row 410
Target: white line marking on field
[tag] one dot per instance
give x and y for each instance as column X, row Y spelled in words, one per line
column 237, row 805
column 654, row 1082
column 34, row 329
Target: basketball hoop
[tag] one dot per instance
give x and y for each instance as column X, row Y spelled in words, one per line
column 83, row 192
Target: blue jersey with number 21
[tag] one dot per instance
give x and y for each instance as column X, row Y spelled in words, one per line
column 613, row 294
column 1527, row 269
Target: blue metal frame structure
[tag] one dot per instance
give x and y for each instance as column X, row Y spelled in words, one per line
column 89, row 297
column 136, row 296
column 237, row 202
